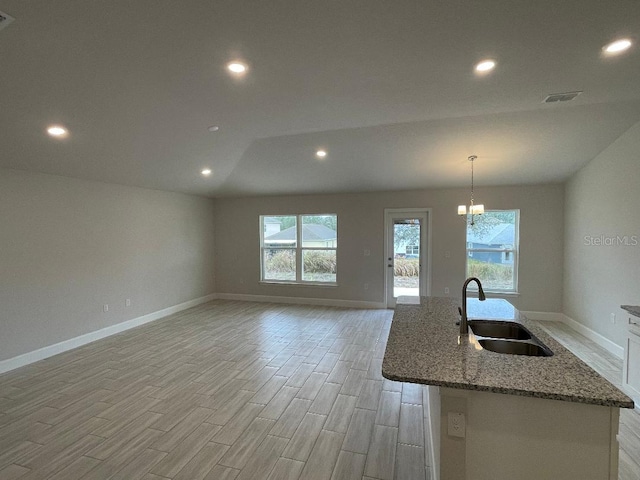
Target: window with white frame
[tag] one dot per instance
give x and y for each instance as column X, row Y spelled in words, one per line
column 492, row 250
column 299, row 248
column 412, row 250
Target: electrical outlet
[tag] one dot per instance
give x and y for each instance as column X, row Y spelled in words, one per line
column 446, row 290
column 127, row 302
column 366, row 286
column 456, row 425
column 105, row 308
column 613, row 318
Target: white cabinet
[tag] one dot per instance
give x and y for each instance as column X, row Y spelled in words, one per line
column 631, row 371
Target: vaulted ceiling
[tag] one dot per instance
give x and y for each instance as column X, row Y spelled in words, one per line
column 386, row 87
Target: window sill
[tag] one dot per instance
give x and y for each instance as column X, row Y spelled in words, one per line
column 299, row 284
column 495, row 292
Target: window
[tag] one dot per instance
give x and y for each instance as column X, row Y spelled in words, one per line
column 413, row 250
column 299, row 248
column 492, row 250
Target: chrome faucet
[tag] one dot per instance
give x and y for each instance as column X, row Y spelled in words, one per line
column 464, row 327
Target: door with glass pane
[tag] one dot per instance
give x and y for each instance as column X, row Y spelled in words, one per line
column 406, row 247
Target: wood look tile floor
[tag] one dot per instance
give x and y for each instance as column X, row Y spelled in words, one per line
column 226, row 390
column 234, row 390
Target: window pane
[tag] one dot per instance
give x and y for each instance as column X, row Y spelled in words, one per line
column 319, row 231
column 492, row 233
column 279, row 231
column 494, row 276
column 406, row 237
column 279, row 264
column 319, row 265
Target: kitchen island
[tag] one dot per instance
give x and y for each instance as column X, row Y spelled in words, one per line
column 499, row 416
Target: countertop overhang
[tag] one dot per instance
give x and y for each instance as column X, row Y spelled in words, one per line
column 632, row 309
column 425, row 346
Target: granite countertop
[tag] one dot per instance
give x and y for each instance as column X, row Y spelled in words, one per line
column 425, row 347
column 632, row 309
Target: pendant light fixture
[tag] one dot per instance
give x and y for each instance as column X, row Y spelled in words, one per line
column 473, row 209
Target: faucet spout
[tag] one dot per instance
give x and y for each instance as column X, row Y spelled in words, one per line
column 464, row 326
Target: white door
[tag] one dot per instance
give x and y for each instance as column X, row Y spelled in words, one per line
column 406, row 253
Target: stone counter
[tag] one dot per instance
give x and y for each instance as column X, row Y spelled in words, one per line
column 632, row 309
column 425, row 346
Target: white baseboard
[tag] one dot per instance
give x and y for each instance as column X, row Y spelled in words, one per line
column 327, row 302
column 604, row 342
column 51, row 350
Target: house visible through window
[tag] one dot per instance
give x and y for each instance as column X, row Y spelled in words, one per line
column 299, row 248
column 412, row 250
column 492, row 250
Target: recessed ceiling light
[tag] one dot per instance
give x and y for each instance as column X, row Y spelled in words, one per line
column 206, row 172
column 618, row 46
column 236, row 67
column 321, row 153
column 485, row 66
column 57, row 131
column 214, row 128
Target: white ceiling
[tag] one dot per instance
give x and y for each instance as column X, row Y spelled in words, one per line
column 386, row 86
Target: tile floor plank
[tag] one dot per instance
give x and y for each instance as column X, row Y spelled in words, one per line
column 409, row 462
column 349, row 466
column 323, row 457
column 382, row 453
column 326, row 397
column 304, row 439
column 13, row 472
column 246, row 444
column 389, row 409
column 286, row 469
column 186, row 450
column 139, row 466
column 411, row 429
column 359, row 432
column 263, row 459
column 203, row 462
column 288, row 422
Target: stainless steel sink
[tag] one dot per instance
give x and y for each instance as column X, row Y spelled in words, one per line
column 499, row 329
column 515, row 347
column 508, row 337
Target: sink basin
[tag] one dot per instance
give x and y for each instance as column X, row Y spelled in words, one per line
column 499, row 329
column 515, row 347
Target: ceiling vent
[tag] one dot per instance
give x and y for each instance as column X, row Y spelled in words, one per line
column 561, row 97
column 5, row 20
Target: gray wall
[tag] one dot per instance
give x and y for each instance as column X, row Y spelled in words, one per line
column 361, row 226
column 603, row 198
column 68, row 246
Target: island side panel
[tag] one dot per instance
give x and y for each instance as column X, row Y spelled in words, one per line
column 510, row 436
column 433, row 432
